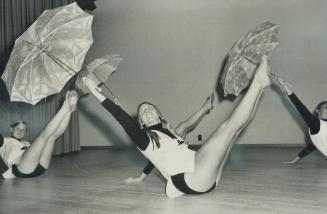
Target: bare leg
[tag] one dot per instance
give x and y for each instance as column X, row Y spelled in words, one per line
column 210, row 158
column 46, row 155
column 190, row 123
column 41, row 148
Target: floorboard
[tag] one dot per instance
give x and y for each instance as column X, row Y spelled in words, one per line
column 92, row 181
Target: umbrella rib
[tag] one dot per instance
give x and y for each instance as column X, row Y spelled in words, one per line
column 96, row 66
column 30, row 52
column 30, row 43
column 96, row 75
column 60, row 62
column 30, row 58
column 18, row 75
column 20, row 53
column 249, row 59
column 46, row 71
column 39, row 38
column 31, row 80
column 48, row 54
column 51, row 34
column 81, row 12
column 56, row 29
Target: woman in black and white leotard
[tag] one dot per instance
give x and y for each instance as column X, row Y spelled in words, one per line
column 19, row 158
column 186, row 171
column 316, row 122
column 181, row 130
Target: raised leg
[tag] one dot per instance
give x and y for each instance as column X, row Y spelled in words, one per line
column 46, row 155
column 191, row 122
column 211, row 157
column 40, row 150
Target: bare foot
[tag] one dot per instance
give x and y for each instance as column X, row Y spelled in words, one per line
column 73, row 98
column 262, row 73
column 70, row 101
column 80, row 88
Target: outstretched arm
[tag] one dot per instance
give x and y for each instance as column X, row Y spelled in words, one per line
column 312, row 121
column 307, row 150
column 146, row 171
column 139, row 136
column 192, row 121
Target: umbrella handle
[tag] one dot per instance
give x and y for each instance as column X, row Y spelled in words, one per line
column 102, row 83
column 107, row 88
column 114, row 98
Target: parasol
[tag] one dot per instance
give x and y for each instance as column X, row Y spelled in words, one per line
column 100, row 69
column 48, row 54
column 246, row 54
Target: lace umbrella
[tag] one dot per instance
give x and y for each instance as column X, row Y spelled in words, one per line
column 246, row 54
column 48, row 54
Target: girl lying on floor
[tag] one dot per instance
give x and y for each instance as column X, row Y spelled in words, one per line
column 316, row 122
column 22, row 159
column 187, row 171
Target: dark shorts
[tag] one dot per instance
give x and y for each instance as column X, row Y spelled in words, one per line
column 179, row 182
column 38, row 171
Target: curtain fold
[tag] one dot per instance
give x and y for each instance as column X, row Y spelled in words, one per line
column 15, row 17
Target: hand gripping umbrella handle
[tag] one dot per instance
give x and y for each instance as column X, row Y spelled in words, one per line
column 96, row 88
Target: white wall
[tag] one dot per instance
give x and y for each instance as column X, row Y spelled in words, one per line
column 173, row 52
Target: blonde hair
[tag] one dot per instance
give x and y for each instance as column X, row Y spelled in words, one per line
column 12, row 126
column 18, row 123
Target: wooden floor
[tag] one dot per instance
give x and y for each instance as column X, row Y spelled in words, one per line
column 92, row 181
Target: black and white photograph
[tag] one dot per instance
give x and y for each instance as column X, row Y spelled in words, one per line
column 163, row 106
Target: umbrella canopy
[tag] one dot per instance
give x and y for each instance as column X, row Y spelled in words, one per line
column 48, row 54
column 246, row 54
column 101, row 69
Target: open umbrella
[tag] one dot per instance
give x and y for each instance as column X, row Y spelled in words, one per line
column 100, row 69
column 246, row 54
column 48, row 54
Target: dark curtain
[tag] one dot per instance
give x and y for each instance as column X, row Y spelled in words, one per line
column 15, row 17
